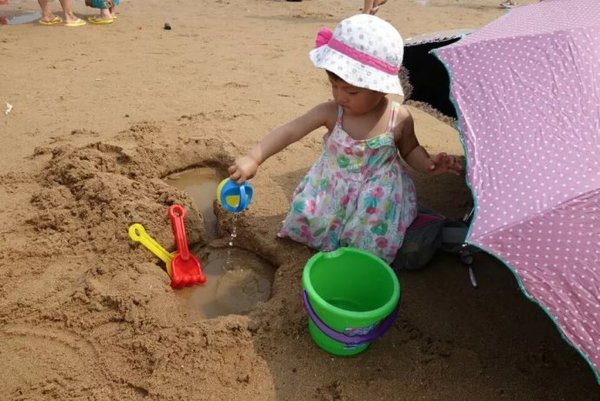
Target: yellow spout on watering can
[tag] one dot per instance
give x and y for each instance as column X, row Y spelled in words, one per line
column 137, row 233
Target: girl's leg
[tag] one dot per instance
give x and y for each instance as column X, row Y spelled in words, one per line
column 105, row 13
column 113, row 7
column 106, row 10
column 104, row 16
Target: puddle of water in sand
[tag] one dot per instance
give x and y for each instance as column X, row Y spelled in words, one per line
column 201, row 184
column 228, row 291
column 16, row 18
column 236, row 280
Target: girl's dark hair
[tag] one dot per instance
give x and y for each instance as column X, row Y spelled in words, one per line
column 333, row 76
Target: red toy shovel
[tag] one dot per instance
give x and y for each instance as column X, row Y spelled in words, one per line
column 186, row 269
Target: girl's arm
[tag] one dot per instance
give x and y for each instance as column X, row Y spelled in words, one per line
column 278, row 139
column 415, row 155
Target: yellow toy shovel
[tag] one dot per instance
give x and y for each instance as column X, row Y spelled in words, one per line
column 137, row 233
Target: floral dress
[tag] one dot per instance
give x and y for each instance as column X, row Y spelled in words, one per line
column 357, row 194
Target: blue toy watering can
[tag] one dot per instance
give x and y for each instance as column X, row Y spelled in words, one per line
column 234, row 197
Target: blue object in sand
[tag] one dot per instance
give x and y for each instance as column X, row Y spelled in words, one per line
column 234, row 197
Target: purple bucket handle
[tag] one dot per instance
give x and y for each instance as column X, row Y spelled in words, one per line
column 383, row 326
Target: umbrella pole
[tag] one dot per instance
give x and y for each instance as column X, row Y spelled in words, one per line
column 472, row 277
column 466, row 256
column 454, row 234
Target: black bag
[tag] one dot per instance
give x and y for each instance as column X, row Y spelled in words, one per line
column 427, row 234
column 421, row 241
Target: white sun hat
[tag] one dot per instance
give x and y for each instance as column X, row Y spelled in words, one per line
column 364, row 51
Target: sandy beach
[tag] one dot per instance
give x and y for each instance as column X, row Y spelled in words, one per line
column 92, row 121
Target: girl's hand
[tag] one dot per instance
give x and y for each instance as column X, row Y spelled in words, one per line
column 443, row 163
column 243, row 169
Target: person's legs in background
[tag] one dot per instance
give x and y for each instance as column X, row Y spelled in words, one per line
column 112, row 8
column 47, row 14
column 106, row 8
column 508, row 4
column 49, row 17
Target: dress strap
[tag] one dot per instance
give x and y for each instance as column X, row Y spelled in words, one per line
column 340, row 113
column 393, row 114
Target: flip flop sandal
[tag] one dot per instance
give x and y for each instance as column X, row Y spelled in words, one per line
column 76, row 23
column 100, row 21
column 53, row 21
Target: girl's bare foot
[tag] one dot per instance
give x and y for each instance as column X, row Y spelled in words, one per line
column 105, row 14
column 104, row 18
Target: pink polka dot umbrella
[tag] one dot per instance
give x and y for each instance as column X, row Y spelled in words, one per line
column 527, row 93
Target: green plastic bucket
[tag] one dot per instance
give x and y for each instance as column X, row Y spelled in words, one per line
column 351, row 298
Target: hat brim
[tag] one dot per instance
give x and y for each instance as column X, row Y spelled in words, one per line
column 355, row 72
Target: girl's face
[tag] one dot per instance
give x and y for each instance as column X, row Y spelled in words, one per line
column 354, row 100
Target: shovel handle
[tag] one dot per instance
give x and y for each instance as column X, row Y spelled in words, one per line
column 137, row 233
column 176, row 214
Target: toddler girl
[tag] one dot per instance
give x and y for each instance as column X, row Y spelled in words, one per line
column 358, row 193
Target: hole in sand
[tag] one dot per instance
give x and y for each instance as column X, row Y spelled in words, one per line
column 236, row 279
column 201, row 184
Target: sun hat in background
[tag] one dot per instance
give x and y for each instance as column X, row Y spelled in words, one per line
column 363, row 50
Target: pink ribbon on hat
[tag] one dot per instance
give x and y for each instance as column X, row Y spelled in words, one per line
column 325, row 37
